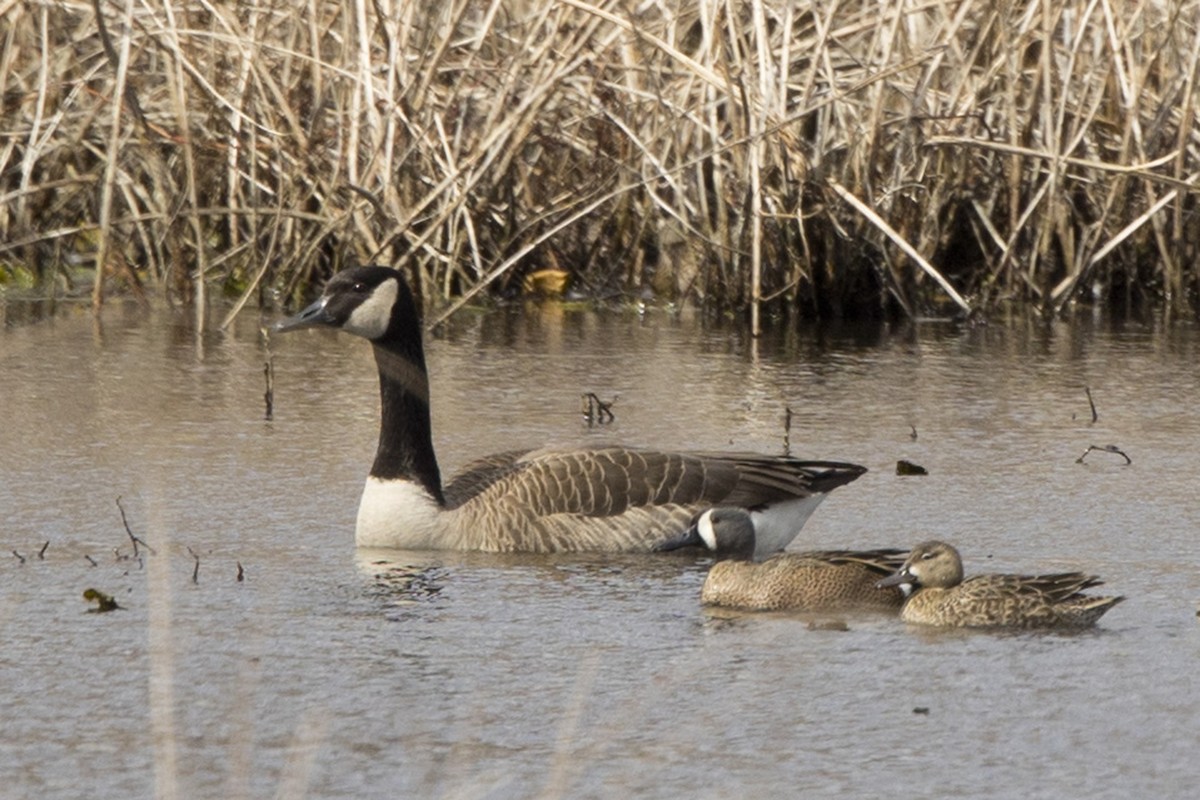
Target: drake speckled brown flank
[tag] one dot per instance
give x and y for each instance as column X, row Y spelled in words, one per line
column 942, row 597
column 597, row 499
column 822, row 580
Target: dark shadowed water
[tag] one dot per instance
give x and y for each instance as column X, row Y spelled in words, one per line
column 330, row 673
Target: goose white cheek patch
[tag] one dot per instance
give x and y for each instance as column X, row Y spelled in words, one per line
column 705, row 528
column 370, row 320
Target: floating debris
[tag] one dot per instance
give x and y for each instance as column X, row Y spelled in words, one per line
column 1087, row 390
column 548, row 282
column 241, row 573
column 909, row 468
column 595, row 410
column 1108, row 448
column 922, row 710
column 104, row 602
column 19, row 556
column 913, row 435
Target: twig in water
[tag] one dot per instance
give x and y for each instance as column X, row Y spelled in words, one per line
column 91, row 560
column 18, row 555
column 1088, row 392
column 913, row 435
column 787, row 430
column 1108, row 448
column 595, row 410
column 269, row 394
column 136, row 541
column 42, row 552
column 196, row 569
column 241, row 576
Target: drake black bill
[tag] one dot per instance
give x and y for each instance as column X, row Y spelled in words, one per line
column 689, row 538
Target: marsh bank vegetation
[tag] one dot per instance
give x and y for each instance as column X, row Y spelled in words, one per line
column 826, row 158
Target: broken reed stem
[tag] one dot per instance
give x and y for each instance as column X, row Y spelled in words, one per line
column 596, row 411
column 896, row 238
column 269, row 394
column 115, row 135
column 136, row 541
column 196, row 568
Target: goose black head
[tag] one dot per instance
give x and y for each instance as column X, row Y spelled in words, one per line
column 367, row 301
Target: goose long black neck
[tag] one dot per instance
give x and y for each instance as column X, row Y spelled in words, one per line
column 405, row 434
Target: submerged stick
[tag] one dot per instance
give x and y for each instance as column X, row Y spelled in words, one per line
column 787, row 430
column 269, row 394
column 136, row 541
column 1088, row 392
column 1108, row 448
column 42, row 552
column 19, row 556
column 195, row 569
column 596, row 410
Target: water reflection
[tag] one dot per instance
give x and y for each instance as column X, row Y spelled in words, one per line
column 440, row 673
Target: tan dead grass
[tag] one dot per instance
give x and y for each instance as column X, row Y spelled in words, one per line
column 835, row 157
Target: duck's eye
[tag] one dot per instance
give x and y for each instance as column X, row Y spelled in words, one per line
column 927, row 556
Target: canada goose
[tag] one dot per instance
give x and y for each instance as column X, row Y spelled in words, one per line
column 938, row 595
column 599, row 499
column 819, row 580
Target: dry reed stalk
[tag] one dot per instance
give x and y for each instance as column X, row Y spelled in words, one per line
column 1017, row 150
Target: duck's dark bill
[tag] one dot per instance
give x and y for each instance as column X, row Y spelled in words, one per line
column 314, row 316
column 896, row 579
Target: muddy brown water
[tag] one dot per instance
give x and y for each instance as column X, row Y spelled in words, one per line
column 330, row 673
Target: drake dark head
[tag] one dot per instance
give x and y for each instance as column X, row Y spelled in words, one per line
column 727, row 531
column 371, row 302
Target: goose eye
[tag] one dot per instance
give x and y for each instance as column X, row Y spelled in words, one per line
column 358, row 288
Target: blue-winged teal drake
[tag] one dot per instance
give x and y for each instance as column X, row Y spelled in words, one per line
column 938, row 594
column 824, row 580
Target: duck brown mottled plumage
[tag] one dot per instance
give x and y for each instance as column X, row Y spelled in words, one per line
column 817, row 580
column 941, row 596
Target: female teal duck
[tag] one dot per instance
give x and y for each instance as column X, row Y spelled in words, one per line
column 932, row 575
